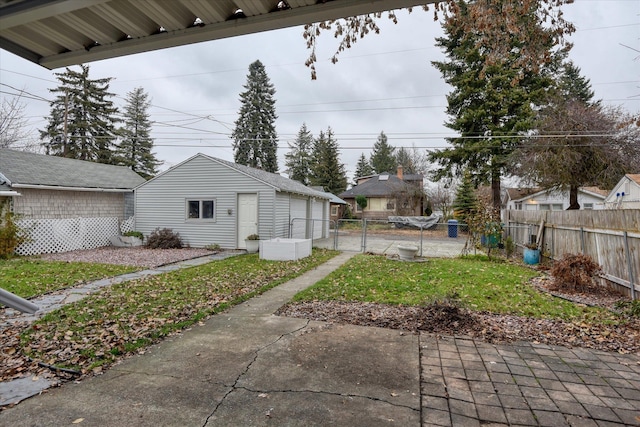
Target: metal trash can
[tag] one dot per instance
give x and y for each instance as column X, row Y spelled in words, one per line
column 452, row 224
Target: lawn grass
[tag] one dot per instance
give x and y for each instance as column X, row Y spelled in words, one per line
column 28, row 277
column 476, row 282
column 125, row 317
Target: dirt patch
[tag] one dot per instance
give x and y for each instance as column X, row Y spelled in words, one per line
column 449, row 319
column 136, row 256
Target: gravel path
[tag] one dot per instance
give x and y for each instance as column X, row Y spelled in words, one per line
column 136, row 256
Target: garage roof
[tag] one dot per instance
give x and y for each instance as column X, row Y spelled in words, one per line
column 59, row 33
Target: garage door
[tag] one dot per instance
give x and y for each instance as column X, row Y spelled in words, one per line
column 298, row 212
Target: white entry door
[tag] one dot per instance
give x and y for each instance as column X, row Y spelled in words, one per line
column 247, row 217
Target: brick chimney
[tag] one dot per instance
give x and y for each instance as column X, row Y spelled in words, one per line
column 400, row 175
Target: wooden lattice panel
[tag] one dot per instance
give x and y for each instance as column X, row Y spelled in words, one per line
column 127, row 225
column 63, row 235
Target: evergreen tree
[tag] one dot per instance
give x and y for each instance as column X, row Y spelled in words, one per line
column 135, row 148
column 255, row 141
column 405, row 159
column 363, row 167
column 298, row 159
column 326, row 169
column 82, row 119
column 466, row 201
column 492, row 102
column 382, row 157
column 573, row 85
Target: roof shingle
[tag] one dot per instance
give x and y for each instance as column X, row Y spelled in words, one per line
column 21, row 167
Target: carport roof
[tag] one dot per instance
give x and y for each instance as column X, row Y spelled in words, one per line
column 58, row 33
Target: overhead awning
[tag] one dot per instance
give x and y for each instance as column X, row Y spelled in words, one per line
column 59, row 33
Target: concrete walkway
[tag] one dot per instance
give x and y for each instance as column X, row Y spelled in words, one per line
column 247, row 367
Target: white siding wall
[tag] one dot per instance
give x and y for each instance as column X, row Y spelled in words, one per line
column 283, row 203
column 161, row 202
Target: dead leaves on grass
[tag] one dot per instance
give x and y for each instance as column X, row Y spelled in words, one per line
column 125, row 318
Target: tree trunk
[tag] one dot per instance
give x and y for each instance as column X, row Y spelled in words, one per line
column 495, row 192
column 573, row 198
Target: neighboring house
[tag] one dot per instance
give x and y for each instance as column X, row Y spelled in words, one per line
column 626, row 193
column 387, row 195
column 536, row 199
column 66, row 204
column 212, row 201
column 51, row 187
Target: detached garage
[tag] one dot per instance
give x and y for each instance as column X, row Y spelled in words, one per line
column 209, row 200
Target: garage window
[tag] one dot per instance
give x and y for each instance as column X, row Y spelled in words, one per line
column 201, row 209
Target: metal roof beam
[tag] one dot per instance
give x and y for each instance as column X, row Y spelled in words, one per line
column 253, row 24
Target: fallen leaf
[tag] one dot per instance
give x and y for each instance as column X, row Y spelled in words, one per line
column 77, row 421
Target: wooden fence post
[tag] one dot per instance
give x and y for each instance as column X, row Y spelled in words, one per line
column 632, row 280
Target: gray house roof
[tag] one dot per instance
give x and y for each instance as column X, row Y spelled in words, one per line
column 23, row 169
column 382, row 185
column 280, row 183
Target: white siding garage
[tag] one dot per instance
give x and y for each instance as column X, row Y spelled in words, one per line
column 298, row 209
column 205, row 198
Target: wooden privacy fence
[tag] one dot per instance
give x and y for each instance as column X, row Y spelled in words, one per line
column 610, row 237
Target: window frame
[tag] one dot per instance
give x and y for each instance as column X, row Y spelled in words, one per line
column 201, row 209
column 334, row 210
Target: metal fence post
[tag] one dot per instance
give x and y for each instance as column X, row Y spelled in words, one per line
column 632, row 280
column 363, row 245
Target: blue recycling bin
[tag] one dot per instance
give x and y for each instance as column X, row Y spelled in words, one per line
column 452, row 224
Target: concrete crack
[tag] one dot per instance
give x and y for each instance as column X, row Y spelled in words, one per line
column 234, row 386
column 329, row 393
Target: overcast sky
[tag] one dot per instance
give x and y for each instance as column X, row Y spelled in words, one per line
column 384, row 83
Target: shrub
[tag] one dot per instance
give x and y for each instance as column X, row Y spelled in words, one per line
column 164, row 238
column 575, row 273
column 213, row 247
column 137, row 234
column 11, row 234
column 253, row 237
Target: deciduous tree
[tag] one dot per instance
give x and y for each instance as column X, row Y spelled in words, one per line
column 13, row 123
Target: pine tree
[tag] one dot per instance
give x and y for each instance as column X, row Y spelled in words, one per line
column 573, row 85
column 492, row 102
column 326, row 169
column 298, row 159
column 466, row 201
column 404, row 159
column 363, row 167
column 255, row 141
column 135, row 148
column 382, row 157
column 82, row 119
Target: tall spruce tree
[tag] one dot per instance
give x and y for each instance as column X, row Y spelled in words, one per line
column 573, row 85
column 255, row 141
column 363, row 167
column 135, row 147
column 298, row 159
column 326, row 169
column 82, row 122
column 493, row 101
column 466, row 201
column 382, row 157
